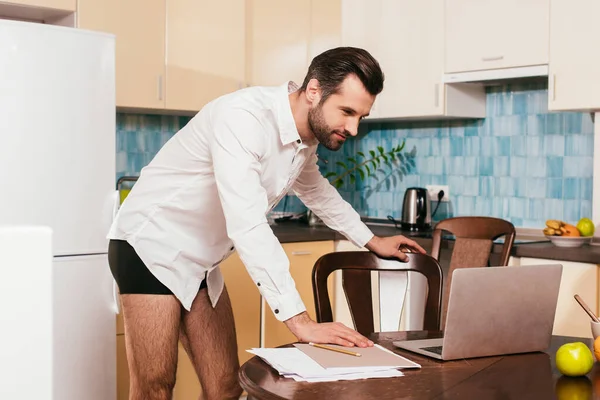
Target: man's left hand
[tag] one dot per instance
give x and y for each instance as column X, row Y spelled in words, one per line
column 394, row 246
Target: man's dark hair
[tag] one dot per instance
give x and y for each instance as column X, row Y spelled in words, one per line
column 331, row 67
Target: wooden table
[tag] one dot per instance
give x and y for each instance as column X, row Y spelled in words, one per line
column 523, row 376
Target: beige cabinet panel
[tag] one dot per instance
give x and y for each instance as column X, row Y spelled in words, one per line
column 490, row 34
column 325, row 27
column 139, row 26
column 573, row 70
column 122, row 370
column 66, row 5
column 187, row 385
column 302, row 256
column 407, row 38
column 278, row 36
column 245, row 301
column 205, row 51
column 577, row 278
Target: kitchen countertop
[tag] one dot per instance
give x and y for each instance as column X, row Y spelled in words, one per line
column 297, row 231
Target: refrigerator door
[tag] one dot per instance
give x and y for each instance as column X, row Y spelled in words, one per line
column 84, row 329
column 57, row 126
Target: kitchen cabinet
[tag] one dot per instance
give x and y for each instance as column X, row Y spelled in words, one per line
column 184, row 54
column 407, row 38
column 278, row 37
column 577, row 278
column 140, row 47
column 493, row 34
column 573, row 69
column 205, row 51
column 63, row 5
column 302, row 256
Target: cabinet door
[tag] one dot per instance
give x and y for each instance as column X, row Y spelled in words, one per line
column 325, row 27
column 573, row 81
column 205, row 51
column 245, row 301
column 278, row 40
column 303, row 257
column 413, row 70
column 66, row 5
column 122, row 370
column 140, row 47
column 577, row 278
column 489, row 34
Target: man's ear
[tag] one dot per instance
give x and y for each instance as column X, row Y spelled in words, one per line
column 313, row 92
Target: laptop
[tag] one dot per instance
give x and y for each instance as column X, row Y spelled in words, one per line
column 494, row 311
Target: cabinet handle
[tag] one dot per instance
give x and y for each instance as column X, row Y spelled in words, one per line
column 497, row 58
column 160, row 88
column 436, row 97
column 301, row 253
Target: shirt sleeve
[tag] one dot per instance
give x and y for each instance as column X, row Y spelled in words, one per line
column 323, row 199
column 239, row 143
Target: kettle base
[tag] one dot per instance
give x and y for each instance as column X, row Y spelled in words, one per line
column 414, row 227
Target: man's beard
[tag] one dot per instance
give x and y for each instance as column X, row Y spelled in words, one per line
column 323, row 133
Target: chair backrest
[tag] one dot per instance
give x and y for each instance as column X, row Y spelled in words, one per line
column 356, row 267
column 474, row 237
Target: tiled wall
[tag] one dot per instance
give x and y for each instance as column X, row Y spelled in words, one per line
column 520, row 163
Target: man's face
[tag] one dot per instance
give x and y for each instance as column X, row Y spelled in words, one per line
column 333, row 120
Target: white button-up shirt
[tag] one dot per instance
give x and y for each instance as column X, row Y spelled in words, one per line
column 209, row 189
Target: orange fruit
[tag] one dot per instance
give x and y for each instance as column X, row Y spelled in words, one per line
column 597, row 348
column 571, row 230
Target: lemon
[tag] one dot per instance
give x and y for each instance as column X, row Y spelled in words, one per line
column 586, row 227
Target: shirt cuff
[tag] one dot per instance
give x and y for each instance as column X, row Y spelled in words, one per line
column 287, row 305
column 360, row 235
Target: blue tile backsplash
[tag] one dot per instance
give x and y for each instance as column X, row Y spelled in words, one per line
column 521, row 163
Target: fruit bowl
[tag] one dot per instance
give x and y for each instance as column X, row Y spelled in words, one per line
column 569, row 241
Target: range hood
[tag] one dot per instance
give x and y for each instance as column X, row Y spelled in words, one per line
column 497, row 76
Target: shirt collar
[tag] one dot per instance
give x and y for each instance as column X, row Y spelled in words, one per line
column 288, row 132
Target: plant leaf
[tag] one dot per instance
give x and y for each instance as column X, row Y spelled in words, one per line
column 393, row 156
column 339, row 183
column 341, row 164
column 368, row 170
column 384, row 158
column 330, row 174
column 352, row 178
column 381, row 150
column 374, row 163
column 360, row 153
column 372, row 153
column 401, row 146
column 361, row 173
column 353, row 160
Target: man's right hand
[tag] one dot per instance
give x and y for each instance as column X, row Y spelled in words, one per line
column 307, row 330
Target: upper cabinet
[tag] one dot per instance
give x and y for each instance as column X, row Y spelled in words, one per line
column 205, row 51
column 407, row 38
column 573, row 71
column 172, row 54
column 140, row 47
column 492, row 34
column 278, row 37
column 64, row 5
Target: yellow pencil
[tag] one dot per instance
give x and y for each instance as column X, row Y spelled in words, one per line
column 335, row 349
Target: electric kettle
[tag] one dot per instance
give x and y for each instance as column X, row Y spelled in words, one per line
column 416, row 210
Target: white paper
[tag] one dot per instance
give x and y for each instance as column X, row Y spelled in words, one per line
column 293, row 363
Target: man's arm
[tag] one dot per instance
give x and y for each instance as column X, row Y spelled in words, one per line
column 321, row 197
column 237, row 147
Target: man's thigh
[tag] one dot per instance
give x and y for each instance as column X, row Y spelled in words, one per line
column 211, row 338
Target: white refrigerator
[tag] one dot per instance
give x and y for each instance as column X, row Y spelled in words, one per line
column 57, row 170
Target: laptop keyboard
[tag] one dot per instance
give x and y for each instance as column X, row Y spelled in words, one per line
column 433, row 349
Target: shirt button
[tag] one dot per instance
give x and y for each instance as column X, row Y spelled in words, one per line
column 232, row 248
column 276, row 311
column 298, row 141
column 258, row 284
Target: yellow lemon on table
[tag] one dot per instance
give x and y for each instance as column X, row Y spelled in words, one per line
column 574, row 359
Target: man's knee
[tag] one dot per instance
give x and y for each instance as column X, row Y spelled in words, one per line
column 156, row 386
column 225, row 391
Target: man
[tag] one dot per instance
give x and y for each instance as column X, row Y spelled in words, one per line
column 207, row 193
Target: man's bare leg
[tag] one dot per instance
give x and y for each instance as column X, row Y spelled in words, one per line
column 151, row 335
column 208, row 335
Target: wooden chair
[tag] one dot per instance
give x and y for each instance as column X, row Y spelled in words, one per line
column 474, row 237
column 356, row 269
